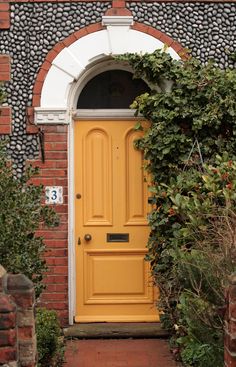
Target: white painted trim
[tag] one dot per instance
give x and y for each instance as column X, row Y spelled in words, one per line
column 107, row 114
column 74, row 61
column 117, row 20
column 56, row 116
column 67, row 62
column 71, row 225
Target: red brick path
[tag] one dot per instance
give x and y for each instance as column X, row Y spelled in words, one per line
column 118, row 353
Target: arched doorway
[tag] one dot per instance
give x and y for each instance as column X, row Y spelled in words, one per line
column 83, row 56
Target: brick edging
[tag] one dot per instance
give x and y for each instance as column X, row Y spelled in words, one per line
column 5, row 75
column 5, row 66
column 167, row 40
column 4, row 15
column 128, row 1
column 5, row 120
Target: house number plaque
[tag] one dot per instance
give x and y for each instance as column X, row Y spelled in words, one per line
column 54, row 195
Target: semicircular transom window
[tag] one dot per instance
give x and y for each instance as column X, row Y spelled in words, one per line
column 111, row 89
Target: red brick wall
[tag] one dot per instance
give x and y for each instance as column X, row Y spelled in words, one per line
column 5, row 120
column 5, row 75
column 53, row 172
column 5, row 68
column 160, row 1
column 17, row 324
column 4, row 15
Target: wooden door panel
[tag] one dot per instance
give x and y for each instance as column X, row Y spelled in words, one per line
column 112, row 279
column 136, row 189
column 96, row 172
column 102, row 284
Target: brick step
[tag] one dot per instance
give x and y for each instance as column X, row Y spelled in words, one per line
column 119, row 353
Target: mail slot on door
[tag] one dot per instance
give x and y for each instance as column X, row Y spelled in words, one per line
column 117, row 237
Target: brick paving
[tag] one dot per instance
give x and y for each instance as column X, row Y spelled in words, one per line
column 118, row 353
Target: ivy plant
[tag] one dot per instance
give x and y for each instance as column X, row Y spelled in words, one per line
column 189, row 148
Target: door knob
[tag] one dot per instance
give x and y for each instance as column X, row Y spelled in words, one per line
column 87, row 237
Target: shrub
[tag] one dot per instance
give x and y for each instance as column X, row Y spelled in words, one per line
column 21, row 213
column 49, row 341
column 190, row 153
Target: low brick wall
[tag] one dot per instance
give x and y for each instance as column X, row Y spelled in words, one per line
column 17, row 322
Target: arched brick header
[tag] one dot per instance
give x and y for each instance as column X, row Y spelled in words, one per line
column 176, row 46
column 88, row 30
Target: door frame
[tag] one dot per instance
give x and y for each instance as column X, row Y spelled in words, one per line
column 99, row 114
column 85, row 114
column 104, row 64
column 82, row 114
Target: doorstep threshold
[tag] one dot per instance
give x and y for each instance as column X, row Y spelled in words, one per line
column 116, row 330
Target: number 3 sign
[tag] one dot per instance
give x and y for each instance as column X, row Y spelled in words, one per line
column 54, row 195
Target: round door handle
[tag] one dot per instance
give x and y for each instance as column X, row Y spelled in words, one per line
column 87, row 237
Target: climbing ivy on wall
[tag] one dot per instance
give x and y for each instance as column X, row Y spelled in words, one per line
column 190, row 150
column 1, row 94
column 188, row 101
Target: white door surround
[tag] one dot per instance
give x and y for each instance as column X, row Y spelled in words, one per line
column 70, row 70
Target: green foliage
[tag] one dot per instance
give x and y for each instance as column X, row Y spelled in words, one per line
column 190, row 153
column 2, row 94
column 202, row 342
column 21, row 212
column 49, row 341
column 187, row 101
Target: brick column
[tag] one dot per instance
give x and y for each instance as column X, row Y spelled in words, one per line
column 5, row 75
column 54, row 172
column 5, row 68
column 8, row 344
column 5, row 120
column 4, row 15
column 230, row 324
column 17, row 323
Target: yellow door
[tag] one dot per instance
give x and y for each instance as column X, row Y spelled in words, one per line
column 112, row 279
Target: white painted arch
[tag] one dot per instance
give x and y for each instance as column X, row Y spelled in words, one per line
column 62, row 82
column 72, row 68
